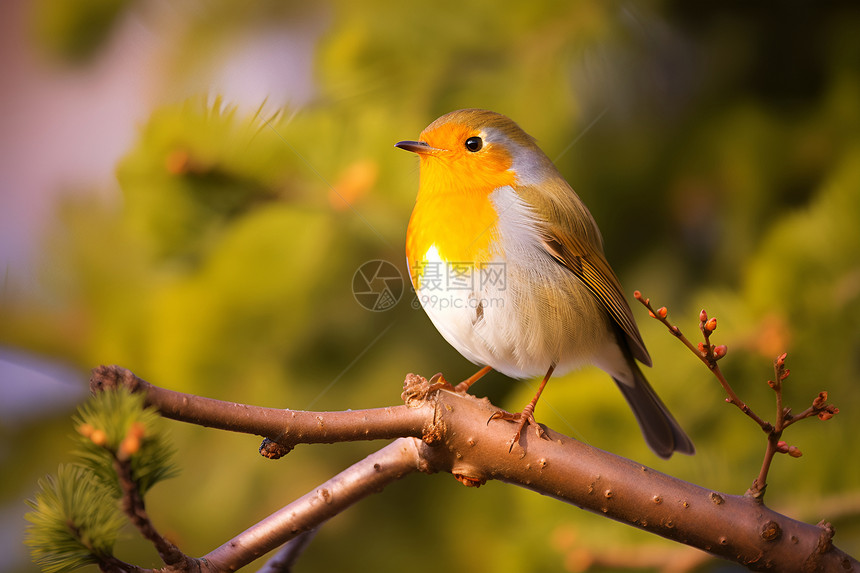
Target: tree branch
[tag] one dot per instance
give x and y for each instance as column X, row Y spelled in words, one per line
column 287, row 556
column 710, row 354
column 285, row 427
column 456, row 438
column 133, row 506
column 707, row 353
column 368, row 476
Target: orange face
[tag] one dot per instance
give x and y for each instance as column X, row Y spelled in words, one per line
column 453, row 212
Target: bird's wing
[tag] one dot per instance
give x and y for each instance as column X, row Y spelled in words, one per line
column 570, row 236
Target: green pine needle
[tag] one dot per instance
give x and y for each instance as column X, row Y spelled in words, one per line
column 118, row 414
column 73, row 523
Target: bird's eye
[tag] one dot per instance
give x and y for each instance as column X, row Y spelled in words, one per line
column 474, row 144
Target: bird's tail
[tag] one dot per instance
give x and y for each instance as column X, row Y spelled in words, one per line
column 662, row 432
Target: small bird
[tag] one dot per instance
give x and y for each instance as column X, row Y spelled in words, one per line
column 508, row 263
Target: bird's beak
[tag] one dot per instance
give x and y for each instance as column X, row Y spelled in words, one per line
column 418, row 147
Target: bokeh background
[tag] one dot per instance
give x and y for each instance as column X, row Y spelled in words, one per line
column 187, row 189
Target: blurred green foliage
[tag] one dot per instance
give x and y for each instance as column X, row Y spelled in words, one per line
column 718, row 147
column 75, row 31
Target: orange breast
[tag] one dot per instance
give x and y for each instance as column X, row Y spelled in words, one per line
column 454, row 214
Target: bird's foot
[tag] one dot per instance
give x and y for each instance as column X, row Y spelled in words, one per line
column 523, row 419
column 438, row 382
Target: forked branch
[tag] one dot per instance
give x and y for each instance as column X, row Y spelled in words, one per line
column 710, row 354
column 448, row 432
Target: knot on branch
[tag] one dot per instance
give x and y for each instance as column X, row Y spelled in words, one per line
column 274, row 450
column 415, row 389
column 824, row 545
column 470, row 481
column 825, row 538
column 113, row 377
column 771, row 531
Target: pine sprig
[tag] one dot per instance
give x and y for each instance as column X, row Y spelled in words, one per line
column 77, row 514
column 115, row 425
column 73, row 522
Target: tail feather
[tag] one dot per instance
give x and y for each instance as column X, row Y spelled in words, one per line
column 662, row 432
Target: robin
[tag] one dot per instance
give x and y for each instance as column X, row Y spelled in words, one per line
column 508, row 263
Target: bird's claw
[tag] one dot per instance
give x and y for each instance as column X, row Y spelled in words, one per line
column 523, row 419
column 438, row 382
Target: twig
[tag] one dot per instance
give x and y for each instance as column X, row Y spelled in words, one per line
column 109, row 563
column 710, row 354
column 707, row 353
column 784, row 418
column 133, row 506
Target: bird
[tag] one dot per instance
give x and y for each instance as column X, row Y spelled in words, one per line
column 509, row 265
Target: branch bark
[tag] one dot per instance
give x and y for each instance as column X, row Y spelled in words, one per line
column 455, row 437
column 370, row 475
column 287, row 555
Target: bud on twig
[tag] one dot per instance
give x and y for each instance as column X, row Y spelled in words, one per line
column 131, row 443
column 711, row 324
column 828, row 413
column 819, row 400
column 784, row 448
column 129, row 446
column 98, row 437
column 137, row 430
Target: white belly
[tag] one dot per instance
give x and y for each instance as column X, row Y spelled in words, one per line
column 520, row 313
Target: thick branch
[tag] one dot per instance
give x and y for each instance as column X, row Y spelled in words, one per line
column 458, row 439
column 368, row 476
column 734, row 527
column 288, row 555
column 286, row 427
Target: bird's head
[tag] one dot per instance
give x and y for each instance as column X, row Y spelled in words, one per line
column 476, row 150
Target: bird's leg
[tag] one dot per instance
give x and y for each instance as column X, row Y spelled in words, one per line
column 438, row 382
column 527, row 415
column 467, row 383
